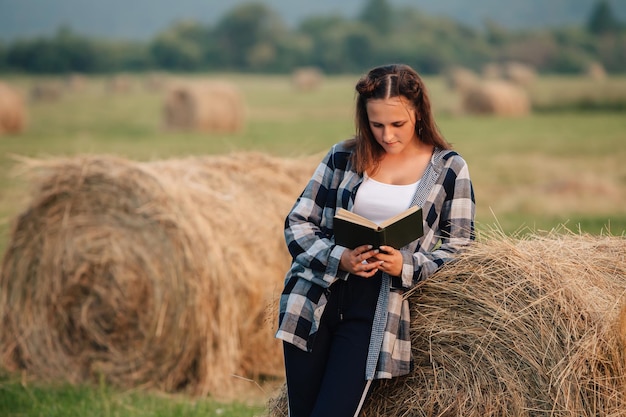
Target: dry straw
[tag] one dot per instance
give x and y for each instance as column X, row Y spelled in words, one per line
column 153, row 274
column 205, row 106
column 12, row 110
column 515, row 327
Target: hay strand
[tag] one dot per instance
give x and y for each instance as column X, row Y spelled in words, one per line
column 515, row 327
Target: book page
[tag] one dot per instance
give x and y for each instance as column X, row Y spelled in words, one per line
column 355, row 218
column 399, row 216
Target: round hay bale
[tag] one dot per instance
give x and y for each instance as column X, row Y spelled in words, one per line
column 307, row 78
column 501, row 98
column 76, row 82
column 519, row 73
column 46, row 91
column 492, row 71
column 155, row 82
column 596, row 71
column 461, row 79
column 12, row 110
column 156, row 274
column 204, row 106
column 119, row 84
column 515, row 327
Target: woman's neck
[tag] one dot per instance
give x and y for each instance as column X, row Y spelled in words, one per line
column 403, row 168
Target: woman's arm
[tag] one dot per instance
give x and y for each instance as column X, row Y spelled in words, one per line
column 449, row 224
column 308, row 238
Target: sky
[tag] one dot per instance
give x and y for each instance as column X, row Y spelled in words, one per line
column 142, row 19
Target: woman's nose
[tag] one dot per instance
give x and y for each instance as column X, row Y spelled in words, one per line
column 387, row 133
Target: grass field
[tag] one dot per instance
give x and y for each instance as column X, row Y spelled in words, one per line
column 549, row 170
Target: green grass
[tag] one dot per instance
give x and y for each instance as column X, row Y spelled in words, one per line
column 532, row 173
column 546, row 170
column 64, row 400
column 567, row 94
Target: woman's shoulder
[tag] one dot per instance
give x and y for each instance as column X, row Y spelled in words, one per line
column 340, row 153
column 346, row 146
column 448, row 157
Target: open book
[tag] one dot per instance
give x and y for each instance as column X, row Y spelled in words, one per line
column 352, row 230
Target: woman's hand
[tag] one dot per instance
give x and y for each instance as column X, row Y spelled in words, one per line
column 389, row 260
column 360, row 261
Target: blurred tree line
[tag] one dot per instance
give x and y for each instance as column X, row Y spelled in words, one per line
column 253, row 38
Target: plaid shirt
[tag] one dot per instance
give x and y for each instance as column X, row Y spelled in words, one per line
column 446, row 196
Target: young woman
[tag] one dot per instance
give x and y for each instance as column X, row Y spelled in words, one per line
column 342, row 317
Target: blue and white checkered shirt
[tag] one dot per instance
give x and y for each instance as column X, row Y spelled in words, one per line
column 446, row 196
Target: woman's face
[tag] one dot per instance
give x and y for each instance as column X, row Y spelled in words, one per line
column 392, row 121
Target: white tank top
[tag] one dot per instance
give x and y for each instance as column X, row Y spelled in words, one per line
column 378, row 201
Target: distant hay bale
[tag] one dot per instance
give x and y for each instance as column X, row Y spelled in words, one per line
column 596, row 71
column 515, row 327
column 155, row 82
column 76, row 82
column 519, row 73
column 149, row 274
column 12, row 110
column 307, row 78
column 119, row 84
column 496, row 97
column 492, row 71
column 46, row 91
column 461, row 79
column 204, row 106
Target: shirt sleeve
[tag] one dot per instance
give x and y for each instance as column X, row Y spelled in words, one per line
column 450, row 223
column 307, row 235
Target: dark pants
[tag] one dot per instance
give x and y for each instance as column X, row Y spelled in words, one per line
column 330, row 380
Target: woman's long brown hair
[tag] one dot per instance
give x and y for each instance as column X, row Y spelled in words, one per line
column 385, row 82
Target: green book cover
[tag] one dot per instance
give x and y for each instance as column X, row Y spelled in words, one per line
column 352, row 230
